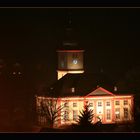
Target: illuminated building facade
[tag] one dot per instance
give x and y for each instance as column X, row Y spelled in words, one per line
column 109, row 107
column 74, row 88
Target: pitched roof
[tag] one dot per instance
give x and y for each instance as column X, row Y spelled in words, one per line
column 69, row 45
column 78, row 85
column 100, row 92
column 70, row 40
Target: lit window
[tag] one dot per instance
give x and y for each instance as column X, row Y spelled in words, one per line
column 117, row 103
column 66, row 104
column 74, row 104
column 125, row 102
column 14, row 73
column 90, row 104
column 117, row 113
column 19, row 72
column 115, row 88
column 66, row 115
column 107, row 103
column 99, row 103
column 126, row 113
column 108, row 115
column 75, row 115
column 72, row 89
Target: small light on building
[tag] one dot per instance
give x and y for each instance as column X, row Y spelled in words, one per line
column 72, row 89
column 19, row 72
column 97, row 86
column 75, row 61
column 115, row 88
column 14, row 73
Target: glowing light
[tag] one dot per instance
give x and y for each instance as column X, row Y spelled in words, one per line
column 117, row 112
column 75, row 61
column 104, row 110
column 14, row 73
column 60, row 74
column 19, row 72
column 72, row 89
column 115, row 88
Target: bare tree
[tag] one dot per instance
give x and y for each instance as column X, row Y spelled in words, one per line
column 50, row 109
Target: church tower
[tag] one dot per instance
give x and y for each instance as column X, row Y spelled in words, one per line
column 70, row 55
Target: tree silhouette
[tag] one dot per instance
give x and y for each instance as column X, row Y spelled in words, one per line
column 86, row 116
column 50, row 110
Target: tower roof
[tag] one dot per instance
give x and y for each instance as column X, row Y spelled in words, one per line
column 70, row 41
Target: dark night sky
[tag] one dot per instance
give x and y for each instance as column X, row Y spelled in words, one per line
column 110, row 37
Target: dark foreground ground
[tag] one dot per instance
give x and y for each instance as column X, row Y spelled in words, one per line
column 38, row 129
column 101, row 128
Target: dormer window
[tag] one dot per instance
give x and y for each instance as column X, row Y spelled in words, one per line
column 115, row 88
column 72, row 89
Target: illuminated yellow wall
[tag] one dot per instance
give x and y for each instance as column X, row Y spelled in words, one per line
column 80, row 104
column 71, row 65
column 66, row 63
column 122, row 106
column 66, row 57
column 60, row 74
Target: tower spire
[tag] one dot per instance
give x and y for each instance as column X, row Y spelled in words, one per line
column 70, row 57
column 69, row 19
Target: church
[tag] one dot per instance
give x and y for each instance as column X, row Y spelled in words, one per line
column 74, row 88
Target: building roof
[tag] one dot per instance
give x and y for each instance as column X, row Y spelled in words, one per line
column 69, row 45
column 70, row 40
column 79, row 85
column 100, row 92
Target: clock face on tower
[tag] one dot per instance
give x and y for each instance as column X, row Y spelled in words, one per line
column 75, row 61
column 70, row 60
